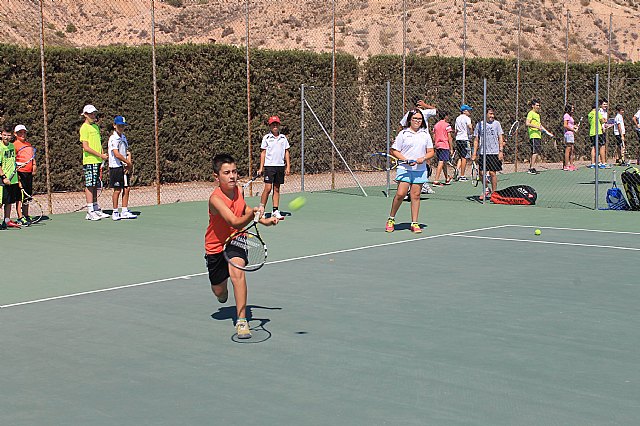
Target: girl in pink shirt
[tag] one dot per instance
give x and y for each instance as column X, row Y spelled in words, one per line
column 442, row 137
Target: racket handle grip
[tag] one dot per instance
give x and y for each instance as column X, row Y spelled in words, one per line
column 256, row 216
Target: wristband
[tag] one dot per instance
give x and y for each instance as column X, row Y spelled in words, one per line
column 3, row 177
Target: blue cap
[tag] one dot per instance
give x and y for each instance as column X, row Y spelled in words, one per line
column 465, row 107
column 120, row 120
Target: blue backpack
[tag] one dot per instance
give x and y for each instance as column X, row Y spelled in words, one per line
column 615, row 197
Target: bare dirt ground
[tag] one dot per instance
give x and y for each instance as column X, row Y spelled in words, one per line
column 363, row 27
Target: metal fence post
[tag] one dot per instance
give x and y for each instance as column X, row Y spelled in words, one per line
column 388, row 132
column 302, row 137
column 597, row 144
column 44, row 111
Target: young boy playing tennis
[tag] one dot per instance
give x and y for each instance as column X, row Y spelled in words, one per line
column 274, row 162
column 119, row 166
column 26, row 163
column 228, row 212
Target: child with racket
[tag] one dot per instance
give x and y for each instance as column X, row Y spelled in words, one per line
column 596, row 128
column 569, row 138
column 119, row 166
column 463, row 129
column 26, row 163
column 413, row 144
column 10, row 188
column 228, row 212
column 619, row 133
column 274, row 163
column 535, row 129
column 92, row 157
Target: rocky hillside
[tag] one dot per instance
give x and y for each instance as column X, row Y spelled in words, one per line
column 363, row 27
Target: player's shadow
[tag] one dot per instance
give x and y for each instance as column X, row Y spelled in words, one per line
column 137, row 213
column 229, row 313
column 259, row 331
column 406, row 226
column 282, row 212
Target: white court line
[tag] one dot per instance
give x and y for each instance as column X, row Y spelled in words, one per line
column 186, row 277
column 548, row 242
column 577, row 229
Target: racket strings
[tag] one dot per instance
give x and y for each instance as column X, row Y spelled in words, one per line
column 249, row 246
column 380, row 162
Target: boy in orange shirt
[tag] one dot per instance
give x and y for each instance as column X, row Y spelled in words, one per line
column 26, row 164
column 228, row 212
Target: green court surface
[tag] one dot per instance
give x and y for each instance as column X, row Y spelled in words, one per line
column 474, row 321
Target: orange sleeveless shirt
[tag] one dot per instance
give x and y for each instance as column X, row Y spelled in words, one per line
column 219, row 230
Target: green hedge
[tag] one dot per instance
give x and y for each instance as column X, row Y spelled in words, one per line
column 201, row 95
column 202, row 100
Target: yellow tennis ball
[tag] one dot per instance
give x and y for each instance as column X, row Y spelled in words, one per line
column 537, row 232
column 297, row 203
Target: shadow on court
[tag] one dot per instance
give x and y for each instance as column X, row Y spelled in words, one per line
column 259, row 332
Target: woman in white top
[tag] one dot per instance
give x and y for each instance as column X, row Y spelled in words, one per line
column 412, row 144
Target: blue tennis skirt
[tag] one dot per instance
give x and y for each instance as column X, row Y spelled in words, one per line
column 412, row 176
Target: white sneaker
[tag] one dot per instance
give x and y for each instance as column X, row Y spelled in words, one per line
column 128, row 215
column 426, row 189
column 242, row 328
column 101, row 214
column 92, row 216
column 277, row 215
column 115, row 216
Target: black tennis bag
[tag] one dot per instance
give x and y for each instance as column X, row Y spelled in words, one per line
column 517, row 195
column 631, row 181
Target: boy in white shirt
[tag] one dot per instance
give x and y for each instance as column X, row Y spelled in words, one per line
column 619, row 133
column 463, row 129
column 120, row 166
column 274, row 164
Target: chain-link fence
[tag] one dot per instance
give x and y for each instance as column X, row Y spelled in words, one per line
column 561, row 32
column 561, row 171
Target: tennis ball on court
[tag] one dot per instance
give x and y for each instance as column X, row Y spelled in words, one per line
column 537, row 232
column 297, row 203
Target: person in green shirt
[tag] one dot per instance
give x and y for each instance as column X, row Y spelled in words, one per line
column 10, row 189
column 92, row 158
column 593, row 130
column 535, row 129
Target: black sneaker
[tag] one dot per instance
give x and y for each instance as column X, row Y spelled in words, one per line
column 3, row 225
column 532, row 172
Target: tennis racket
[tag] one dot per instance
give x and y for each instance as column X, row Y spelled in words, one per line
column 514, row 128
column 100, row 184
column 31, row 208
column 453, row 163
column 382, row 161
column 475, row 178
column 25, row 151
column 577, row 127
column 246, row 185
column 245, row 249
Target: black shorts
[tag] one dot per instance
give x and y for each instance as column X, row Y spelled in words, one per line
column 493, row 163
column 463, row 149
column 118, row 178
column 619, row 141
column 601, row 140
column 219, row 268
column 11, row 194
column 536, row 145
column 26, row 179
column 274, row 174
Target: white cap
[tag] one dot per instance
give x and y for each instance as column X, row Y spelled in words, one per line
column 88, row 109
column 19, row 127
